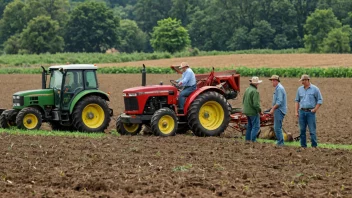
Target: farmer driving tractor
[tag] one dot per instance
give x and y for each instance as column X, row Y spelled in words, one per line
column 188, row 82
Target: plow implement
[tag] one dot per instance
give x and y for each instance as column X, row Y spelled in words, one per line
column 239, row 123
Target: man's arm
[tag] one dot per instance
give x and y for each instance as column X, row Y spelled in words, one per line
column 256, row 102
column 319, row 98
column 297, row 100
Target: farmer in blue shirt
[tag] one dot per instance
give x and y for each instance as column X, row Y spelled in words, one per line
column 279, row 108
column 188, row 81
column 307, row 102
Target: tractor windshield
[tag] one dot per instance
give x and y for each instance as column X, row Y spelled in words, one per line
column 56, row 79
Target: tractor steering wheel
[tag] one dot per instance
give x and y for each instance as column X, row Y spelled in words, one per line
column 175, row 84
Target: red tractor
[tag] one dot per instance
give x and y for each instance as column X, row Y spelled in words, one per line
column 206, row 111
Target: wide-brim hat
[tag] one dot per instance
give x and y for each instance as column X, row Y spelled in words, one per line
column 255, row 80
column 304, row 77
column 184, row 64
column 275, row 77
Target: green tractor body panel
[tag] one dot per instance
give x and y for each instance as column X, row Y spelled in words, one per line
column 85, row 93
column 39, row 97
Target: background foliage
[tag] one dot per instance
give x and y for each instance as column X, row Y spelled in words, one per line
column 221, row 25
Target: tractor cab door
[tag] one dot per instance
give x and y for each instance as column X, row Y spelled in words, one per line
column 72, row 85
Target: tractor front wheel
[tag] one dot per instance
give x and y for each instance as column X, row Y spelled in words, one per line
column 91, row 114
column 209, row 114
column 29, row 118
column 127, row 128
column 164, row 122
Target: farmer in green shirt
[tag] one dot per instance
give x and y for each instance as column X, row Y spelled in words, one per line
column 251, row 108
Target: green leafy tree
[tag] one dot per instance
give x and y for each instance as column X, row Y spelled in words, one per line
column 13, row 44
column 3, row 4
column 92, row 27
column 239, row 40
column 132, row 38
column 56, row 9
column 261, row 36
column 338, row 40
column 13, row 20
column 318, row 25
column 41, row 35
column 169, row 36
column 149, row 12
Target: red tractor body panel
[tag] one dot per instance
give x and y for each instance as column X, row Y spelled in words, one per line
column 136, row 97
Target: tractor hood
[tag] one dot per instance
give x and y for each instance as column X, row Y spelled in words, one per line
column 36, row 92
column 150, row 89
column 38, row 97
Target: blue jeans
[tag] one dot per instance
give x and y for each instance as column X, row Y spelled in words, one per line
column 184, row 94
column 278, row 118
column 253, row 127
column 307, row 118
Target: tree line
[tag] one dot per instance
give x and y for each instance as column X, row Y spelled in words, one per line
column 41, row 26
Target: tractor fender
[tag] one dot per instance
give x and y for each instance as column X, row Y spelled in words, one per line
column 85, row 93
column 197, row 92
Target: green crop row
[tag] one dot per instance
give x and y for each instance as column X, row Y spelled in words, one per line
column 28, row 60
column 333, row 72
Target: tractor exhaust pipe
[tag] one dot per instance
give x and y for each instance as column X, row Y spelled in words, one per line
column 144, row 76
column 44, row 72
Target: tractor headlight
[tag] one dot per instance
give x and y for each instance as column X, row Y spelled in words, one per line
column 16, row 104
column 132, row 94
column 124, row 94
column 18, row 97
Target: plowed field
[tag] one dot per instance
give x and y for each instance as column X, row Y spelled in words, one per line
column 184, row 165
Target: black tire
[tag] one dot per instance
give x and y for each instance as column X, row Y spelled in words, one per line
column 56, row 126
column 8, row 119
column 127, row 128
column 164, row 122
column 209, row 105
column 97, row 114
column 29, row 118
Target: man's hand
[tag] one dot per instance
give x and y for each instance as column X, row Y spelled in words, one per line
column 272, row 111
column 296, row 114
column 314, row 110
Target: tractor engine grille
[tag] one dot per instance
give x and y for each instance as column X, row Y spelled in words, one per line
column 131, row 103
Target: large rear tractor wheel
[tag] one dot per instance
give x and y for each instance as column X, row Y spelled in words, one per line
column 91, row 114
column 209, row 114
column 29, row 118
column 164, row 122
column 127, row 128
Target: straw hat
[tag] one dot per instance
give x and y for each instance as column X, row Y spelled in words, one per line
column 255, row 80
column 184, row 64
column 275, row 77
column 304, row 77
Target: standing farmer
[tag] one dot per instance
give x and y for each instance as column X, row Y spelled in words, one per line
column 307, row 102
column 279, row 108
column 251, row 108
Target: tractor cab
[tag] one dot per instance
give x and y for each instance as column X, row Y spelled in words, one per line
column 69, row 80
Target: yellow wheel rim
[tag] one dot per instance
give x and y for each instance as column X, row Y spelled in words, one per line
column 131, row 128
column 30, row 121
column 166, row 124
column 93, row 116
column 211, row 115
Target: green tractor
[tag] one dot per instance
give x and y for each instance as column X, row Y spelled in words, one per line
column 71, row 102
